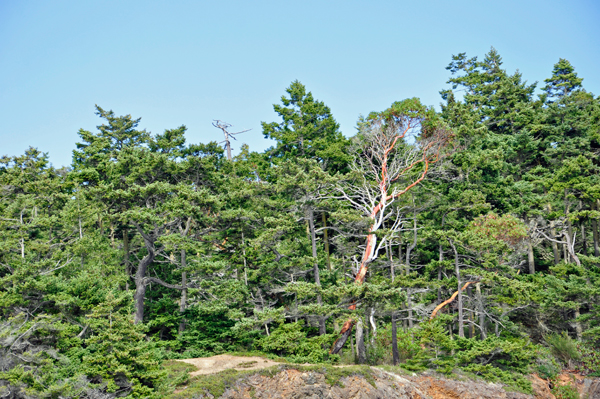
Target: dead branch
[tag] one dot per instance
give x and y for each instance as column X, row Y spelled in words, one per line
column 224, row 126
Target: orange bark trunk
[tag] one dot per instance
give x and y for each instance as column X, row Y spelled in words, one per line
column 441, row 305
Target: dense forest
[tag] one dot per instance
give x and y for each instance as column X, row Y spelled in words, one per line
column 465, row 239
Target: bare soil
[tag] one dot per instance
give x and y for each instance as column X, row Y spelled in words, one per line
column 215, row 364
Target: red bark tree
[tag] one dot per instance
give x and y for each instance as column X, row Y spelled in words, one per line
column 396, row 149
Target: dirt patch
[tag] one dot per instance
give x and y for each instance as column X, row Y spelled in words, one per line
column 541, row 387
column 215, row 364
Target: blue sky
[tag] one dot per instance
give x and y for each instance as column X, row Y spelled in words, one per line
column 189, row 62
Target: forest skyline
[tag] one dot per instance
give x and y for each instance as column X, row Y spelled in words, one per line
column 194, row 62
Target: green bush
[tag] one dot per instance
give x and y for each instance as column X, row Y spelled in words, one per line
column 565, row 392
column 563, row 347
column 409, row 350
column 547, row 369
column 117, row 356
column 590, row 359
column 290, row 340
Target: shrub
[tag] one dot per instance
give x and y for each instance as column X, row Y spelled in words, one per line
column 290, row 341
column 117, row 355
column 563, row 347
column 565, row 392
column 590, row 359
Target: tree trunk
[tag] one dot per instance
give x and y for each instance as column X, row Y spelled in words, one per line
column 183, row 301
column 262, row 307
column 140, row 284
column 100, row 225
column 382, row 198
column 449, row 300
column 530, row 257
column 126, row 258
column 569, row 225
column 373, row 326
column 395, row 354
column 461, row 326
column 228, row 145
column 22, row 240
column 409, row 307
column 595, row 231
column 360, row 342
column 326, row 240
column 471, row 325
column 112, row 234
column 140, row 274
column 390, row 256
column 245, row 263
column 414, row 243
column 578, row 327
column 400, row 253
column 582, row 229
column 313, row 239
column 344, row 334
column 595, row 236
column 408, row 252
column 359, row 279
column 555, row 250
column 481, row 311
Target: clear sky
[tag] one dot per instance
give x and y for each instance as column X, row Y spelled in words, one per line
column 189, row 62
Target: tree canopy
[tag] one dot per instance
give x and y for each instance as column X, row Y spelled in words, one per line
column 461, row 239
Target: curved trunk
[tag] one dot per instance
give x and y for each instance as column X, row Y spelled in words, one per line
column 140, row 285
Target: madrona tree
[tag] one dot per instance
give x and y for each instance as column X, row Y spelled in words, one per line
column 395, row 150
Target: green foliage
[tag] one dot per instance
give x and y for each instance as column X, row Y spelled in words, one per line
column 589, row 358
column 209, row 331
column 213, row 384
column 117, row 355
column 565, row 392
column 149, row 248
column 563, row 81
column 563, row 347
column 412, row 355
column 546, row 365
column 307, row 130
column 290, row 340
column 176, row 374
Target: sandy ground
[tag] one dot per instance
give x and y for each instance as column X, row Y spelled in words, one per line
column 214, row 364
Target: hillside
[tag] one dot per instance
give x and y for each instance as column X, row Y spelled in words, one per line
column 283, row 381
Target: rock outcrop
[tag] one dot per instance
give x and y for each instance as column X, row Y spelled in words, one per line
column 295, row 384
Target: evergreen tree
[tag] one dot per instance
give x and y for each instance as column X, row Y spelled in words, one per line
column 563, row 81
column 307, row 130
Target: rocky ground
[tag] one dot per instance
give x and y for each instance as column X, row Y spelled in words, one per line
column 287, row 382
